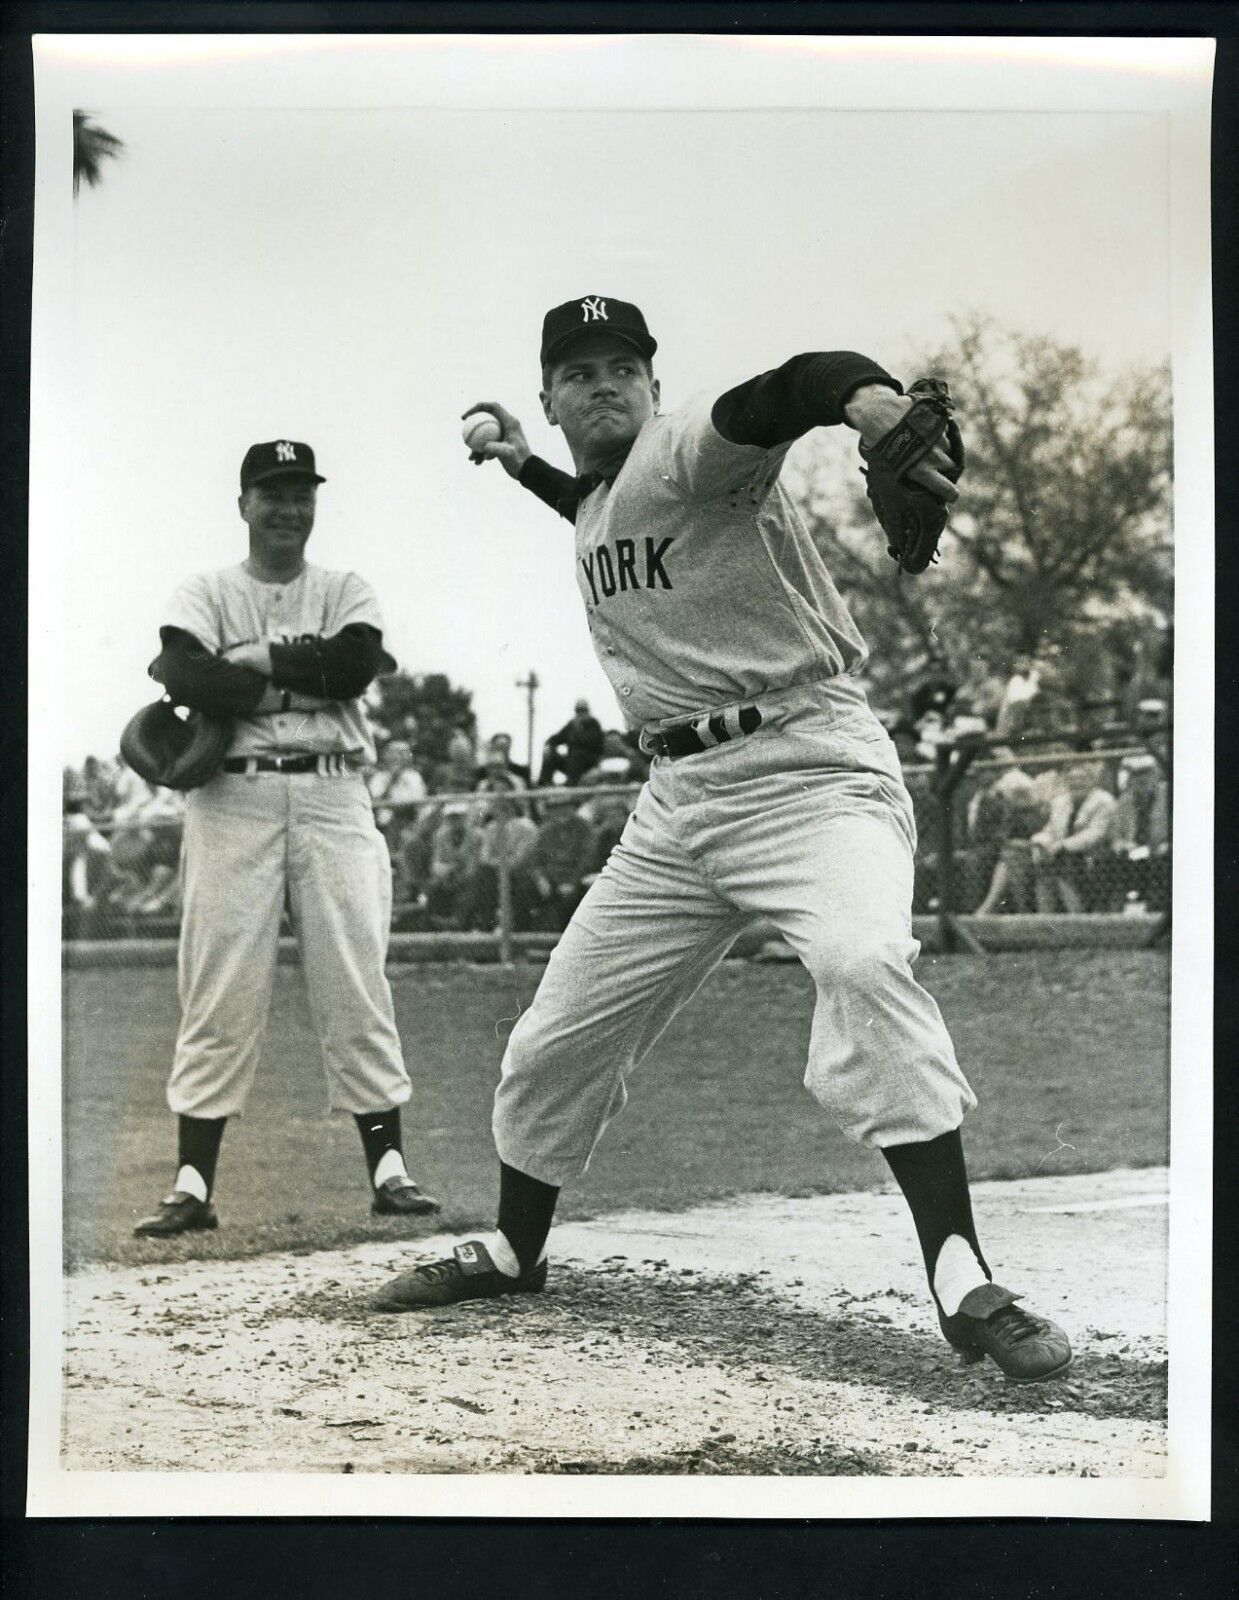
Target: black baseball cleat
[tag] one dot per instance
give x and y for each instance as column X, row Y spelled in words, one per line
column 467, row 1274
column 1027, row 1348
column 178, row 1213
column 400, row 1197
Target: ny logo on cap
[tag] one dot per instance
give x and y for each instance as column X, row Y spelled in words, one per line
column 594, row 309
column 284, row 451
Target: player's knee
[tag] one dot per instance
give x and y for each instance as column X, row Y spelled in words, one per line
column 857, row 962
column 532, row 1048
column 551, row 1059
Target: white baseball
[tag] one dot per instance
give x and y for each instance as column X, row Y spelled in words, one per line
column 480, row 428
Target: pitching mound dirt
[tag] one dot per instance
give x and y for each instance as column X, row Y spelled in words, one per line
column 767, row 1336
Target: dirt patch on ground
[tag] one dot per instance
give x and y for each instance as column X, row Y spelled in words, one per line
column 770, row 1337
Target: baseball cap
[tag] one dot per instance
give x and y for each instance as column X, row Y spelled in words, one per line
column 281, row 458
column 594, row 313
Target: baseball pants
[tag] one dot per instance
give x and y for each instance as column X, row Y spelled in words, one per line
column 248, row 843
column 806, row 823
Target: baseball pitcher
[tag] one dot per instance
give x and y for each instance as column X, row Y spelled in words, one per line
column 774, row 793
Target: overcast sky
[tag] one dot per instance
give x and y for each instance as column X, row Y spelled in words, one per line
column 354, row 277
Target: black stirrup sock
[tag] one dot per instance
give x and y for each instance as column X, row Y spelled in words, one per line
column 934, row 1181
column 526, row 1207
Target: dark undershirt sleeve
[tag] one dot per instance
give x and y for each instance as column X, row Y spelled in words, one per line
column 809, row 391
column 196, row 678
column 339, row 667
column 555, row 488
column 336, row 668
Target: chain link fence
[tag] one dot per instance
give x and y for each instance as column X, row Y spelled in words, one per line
column 1052, row 845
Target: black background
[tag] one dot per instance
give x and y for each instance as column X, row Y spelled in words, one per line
column 185, row 1559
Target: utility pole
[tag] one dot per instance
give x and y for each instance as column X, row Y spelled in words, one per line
column 530, row 685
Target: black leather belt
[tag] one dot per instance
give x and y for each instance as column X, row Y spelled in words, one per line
column 272, row 764
column 685, row 740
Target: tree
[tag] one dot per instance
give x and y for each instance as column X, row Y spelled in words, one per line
column 1063, row 530
column 436, row 705
column 92, row 146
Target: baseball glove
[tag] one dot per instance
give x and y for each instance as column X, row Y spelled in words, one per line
column 174, row 748
column 911, row 515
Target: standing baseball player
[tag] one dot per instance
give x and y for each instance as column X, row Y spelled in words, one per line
column 774, row 793
column 285, row 649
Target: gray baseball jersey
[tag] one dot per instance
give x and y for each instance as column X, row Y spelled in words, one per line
column 700, row 580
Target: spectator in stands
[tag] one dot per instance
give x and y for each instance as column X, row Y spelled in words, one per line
column 982, row 691
column 497, row 760
column 458, row 774
column 394, row 782
column 608, row 817
column 502, row 828
column 622, row 761
column 407, row 729
column 931, row 731
column 935, row 692
column 572, row 751
column 904, row 736
column 1076, row 836
column 98, row 790
column 411, row 871
column 85, row 863
column 1140, row 838
column 992, row 808
column 1052, row 709
column 146, row 853
column 561, row 860
column 129, row 791
column 1152, row 725
column 453, row 848
column 927, row 862
column 1048, row 764
column 146, row 848
column 1002, row 819
column 1021, row 690
column 395, row 786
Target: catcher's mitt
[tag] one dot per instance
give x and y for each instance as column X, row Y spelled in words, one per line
column 911, row 515
column 174, row 748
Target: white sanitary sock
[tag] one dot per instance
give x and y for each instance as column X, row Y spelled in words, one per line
column 190, row 1181
column 956, row 1271
column 503, row 1255
column 391, row 1165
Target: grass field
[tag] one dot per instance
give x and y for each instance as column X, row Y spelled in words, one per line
column 1067, row 1052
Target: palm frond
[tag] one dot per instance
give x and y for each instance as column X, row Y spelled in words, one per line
column 92, row 146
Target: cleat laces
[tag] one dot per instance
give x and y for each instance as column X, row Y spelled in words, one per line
column 438, row 1271
column 1014, row 1324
